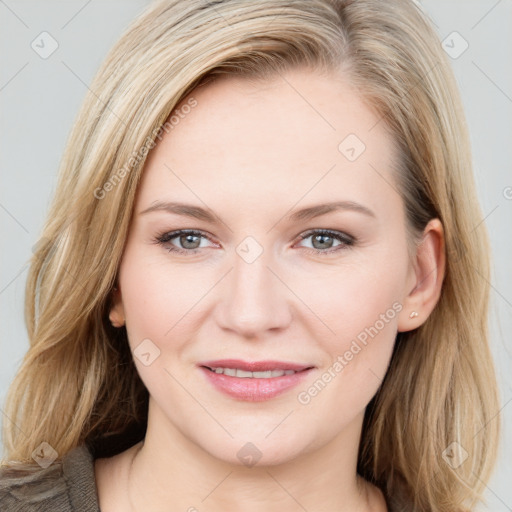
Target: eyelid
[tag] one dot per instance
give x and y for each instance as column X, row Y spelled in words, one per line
column 346, row 240
column 165, row 238
column 339, row 234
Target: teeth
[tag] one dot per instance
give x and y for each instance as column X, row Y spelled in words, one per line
column 235, row 372
column 263, row 375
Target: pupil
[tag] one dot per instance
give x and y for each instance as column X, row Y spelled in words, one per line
column 188, row 240
column 321, row 236
column 324, row 239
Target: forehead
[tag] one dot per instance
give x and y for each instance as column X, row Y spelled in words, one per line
column 297, row 134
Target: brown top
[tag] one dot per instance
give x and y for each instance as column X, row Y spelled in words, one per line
column 67, row 485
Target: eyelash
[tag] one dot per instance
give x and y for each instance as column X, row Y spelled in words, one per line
column 347, row 241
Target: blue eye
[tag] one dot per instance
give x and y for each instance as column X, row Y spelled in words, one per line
column 325, row 237
column 190, row 241
column 187, row 237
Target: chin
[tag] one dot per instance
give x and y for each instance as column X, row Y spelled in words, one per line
column 254, row 452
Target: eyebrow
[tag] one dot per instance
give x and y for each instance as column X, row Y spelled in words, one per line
column 311, row 212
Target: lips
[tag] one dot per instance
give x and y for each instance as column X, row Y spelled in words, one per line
column 250, row 380
column 254, row 366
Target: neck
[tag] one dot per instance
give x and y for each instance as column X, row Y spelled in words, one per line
column 169, row 471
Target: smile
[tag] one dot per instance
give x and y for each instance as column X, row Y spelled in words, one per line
column 256, row 386
column 237, row 372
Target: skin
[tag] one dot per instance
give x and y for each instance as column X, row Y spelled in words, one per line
column 251, row 152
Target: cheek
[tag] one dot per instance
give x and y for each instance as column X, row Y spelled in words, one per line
column 158, row 299
column 348, row 298
column 361, row 306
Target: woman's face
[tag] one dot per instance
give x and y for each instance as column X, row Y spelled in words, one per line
column 257, row 281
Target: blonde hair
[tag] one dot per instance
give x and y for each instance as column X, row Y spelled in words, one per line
column 78, row 383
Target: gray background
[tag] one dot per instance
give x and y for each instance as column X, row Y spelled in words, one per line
column 40, row 97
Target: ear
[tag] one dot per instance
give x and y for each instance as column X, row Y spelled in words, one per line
column 425, row 279
column 116, row 314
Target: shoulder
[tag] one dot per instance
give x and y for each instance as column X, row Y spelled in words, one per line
column 66, row 485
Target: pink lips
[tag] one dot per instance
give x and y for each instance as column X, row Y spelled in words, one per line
column 256, row 366
column 254, row 389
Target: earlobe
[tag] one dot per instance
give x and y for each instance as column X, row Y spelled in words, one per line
column 429, row 271
column 116, row 314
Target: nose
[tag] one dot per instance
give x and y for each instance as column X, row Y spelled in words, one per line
column 254, row 299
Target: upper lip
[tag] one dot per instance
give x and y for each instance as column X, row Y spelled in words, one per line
column 255, row 366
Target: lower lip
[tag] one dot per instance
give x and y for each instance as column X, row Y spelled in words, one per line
column 251, row 389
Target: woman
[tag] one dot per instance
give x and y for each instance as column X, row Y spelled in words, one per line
column 255, row 287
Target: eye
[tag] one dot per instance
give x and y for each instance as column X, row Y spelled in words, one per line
column 189, row 239
column 324, row 239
